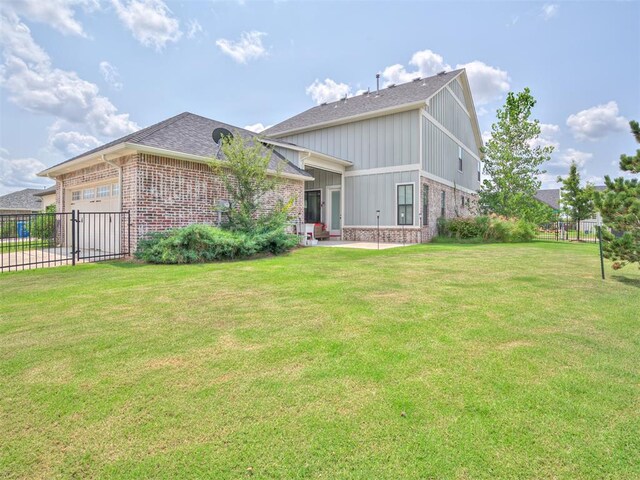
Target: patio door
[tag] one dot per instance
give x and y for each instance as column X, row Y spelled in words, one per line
column 334, row 210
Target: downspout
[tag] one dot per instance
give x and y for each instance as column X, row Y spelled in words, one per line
column 119, row 168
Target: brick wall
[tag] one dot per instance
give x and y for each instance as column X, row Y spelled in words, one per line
column 453, row 205
column 163, row 193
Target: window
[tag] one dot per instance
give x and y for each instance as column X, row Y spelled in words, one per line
column 442, row 203
column 425, row 204
column 312, row 203
column 405, row 204
column 115, row 189
column 459, row 158
column 103, row 191
column 88, row 194
column 479, row 170
column 75, row 196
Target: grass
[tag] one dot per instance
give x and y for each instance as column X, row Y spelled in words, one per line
column 435, row 361
column 20, row 245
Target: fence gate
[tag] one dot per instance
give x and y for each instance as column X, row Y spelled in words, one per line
column 37, row 240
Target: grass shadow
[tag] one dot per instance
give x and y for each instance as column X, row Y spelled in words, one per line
column 633, row 282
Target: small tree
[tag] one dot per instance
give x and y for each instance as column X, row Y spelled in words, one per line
column 244, row 170
column 619, row 205
column 576, row 201
column 511, row 162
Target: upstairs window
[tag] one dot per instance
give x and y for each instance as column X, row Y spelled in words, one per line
column 443, row 200
column 459, row 158
column 425, row 205
column 479, row 170
column 405, row 204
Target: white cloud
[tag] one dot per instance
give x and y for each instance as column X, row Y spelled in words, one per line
column 327, row 91
column 71, row 143
column 150, row 22
column 59, row 14
column 426, row 63
column 547, row 137
column 257, row 127
column 487, row 83
column 36, row 86
column 596, row 122
column 548, row 180
column 18, row 173
column 193, row 28
column 111, row 75
column 549, row 10
column 249, row 47
column 571, row 155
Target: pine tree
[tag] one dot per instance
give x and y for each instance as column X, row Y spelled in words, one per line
column 619, row 205
column 577, row 202
column 512, row 164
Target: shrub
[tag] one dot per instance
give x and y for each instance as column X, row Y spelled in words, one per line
column 203, row 243
column 488, row 229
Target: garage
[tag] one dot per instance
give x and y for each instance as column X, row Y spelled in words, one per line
column 99, row 218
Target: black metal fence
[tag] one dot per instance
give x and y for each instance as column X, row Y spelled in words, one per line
column 583, row 231
column 36, row 240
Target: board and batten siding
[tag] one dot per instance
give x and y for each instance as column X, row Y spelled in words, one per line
column 457, row 89
column 291, row 155
column 448, row 112
column 364, row 194
column 440, row 157
column 385, row 141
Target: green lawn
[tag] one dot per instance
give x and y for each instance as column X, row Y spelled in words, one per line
column 434, row 361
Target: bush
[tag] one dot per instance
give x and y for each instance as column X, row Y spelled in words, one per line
column 487, row 229
column 202, row 243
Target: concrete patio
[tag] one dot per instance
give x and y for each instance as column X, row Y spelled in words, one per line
column 361, row 245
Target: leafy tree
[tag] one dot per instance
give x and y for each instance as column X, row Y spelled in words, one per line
column 511, row 162
column 619, row 205
column 576, row 201
column 244, row 170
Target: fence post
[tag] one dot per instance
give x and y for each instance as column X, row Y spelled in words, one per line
column 73, row 237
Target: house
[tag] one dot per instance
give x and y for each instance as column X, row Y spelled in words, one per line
column 47, row 196
column 22, row 202
column 553, row 196
column 399, row 157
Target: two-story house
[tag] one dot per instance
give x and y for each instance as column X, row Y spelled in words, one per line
column 399, row 157
column 413, row 153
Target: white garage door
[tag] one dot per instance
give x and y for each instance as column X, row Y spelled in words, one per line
column 99, row 227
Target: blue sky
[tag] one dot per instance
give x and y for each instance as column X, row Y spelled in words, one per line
column 77, row 73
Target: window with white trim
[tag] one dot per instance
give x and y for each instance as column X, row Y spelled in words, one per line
column 88, row 193
column 405, row 204
column 103, row 191
column 459, row 158
column 75, row 196
column 115, row 189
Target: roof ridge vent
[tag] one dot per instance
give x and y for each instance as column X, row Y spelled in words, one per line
column 391, row 85
column 442, row 72
column 323, row 104
column 417, row 79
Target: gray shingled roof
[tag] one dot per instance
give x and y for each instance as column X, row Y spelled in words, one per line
column 550, row 196
column 366, row 103
column 191, row 134
column 22, row 200
column 46, row 191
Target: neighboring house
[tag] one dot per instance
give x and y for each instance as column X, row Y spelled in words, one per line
column 410, row 153
column 21, row 202
column 553, row 198
column 414, row 153
column 47, row 196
